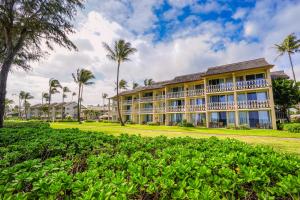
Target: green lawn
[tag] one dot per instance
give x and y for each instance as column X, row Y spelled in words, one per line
column 279, row 140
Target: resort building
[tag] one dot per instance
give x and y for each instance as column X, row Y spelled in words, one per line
column 238, row 94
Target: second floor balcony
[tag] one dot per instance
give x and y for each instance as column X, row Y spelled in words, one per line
column 254, row 104
column 127, row 112
column 146, row 99
column 176, row 94
column 176, row 109
column 127, row 102
column 221, row 106
column 146, row 110
column 159, row 109
column 251, row 84
column 223, row 87
column 192, row 108
column 196, row 92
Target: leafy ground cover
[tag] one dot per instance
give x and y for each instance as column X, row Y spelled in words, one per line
column 45, row 163
column 282, row 141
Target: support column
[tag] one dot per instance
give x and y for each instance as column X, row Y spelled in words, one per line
column 186, row 99
column 236, row 116
column 271, row 98
column 206, row 105
column 139, row 109
column 166, row 107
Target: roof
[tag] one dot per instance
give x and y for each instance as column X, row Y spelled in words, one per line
column 279, row 74
column 250, row 64
column 52, row 104
column 244, row 65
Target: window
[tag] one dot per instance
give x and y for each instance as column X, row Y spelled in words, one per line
column 231, row 117
column 263, row 117
column 239, row 78
column 242, row 97
column 230, row 98
column 261, row 96
column 243, row 118
column 255, row 77
column 201, row 86
column 176, row 117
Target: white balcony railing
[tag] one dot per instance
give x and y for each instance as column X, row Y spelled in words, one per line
column 176, row 109
column 221, row 105
column 146, row 99
column 252, row 84
column 126, row 112
column 196, row 92
column 175, row 94
column 196, row 107
column 127, row 102
column 220, row 87
column 159, row 109
column 146, row 110
column 254, row 104
column 159, row 97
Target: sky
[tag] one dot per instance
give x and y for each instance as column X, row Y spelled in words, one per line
column 173, row 37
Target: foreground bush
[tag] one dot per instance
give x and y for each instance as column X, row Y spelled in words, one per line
column 292, row 127
column 66, row 164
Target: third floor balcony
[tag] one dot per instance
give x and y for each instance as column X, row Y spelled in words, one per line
column 251, row 84
column 221, row 106
column 223, row 87
column 254, row 104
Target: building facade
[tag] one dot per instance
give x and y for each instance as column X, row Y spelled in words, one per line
column 238, row 94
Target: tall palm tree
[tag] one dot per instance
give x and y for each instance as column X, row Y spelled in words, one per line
column 27, row 96
column 73, row 95
column 21, row 97
column 135, row 85
column 290, row 45
column 123, row 84
column 64, row 95
column 82, row 77
column 119, row 53
column 45, row 96
column 104, row 96
column 53, row 88
column 148, row 82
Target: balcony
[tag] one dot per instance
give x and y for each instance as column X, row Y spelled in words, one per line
column 262, row 83
column 176, row 109
column 159, row 109
column 196, row 92
column 219, row 88
column 175, row 94
column 146, row 99
column 221, row 106
column 159, row 97
column 254, row 104
column 126, row 112
column 192, row 108
column 146, row 110
column 127, row 102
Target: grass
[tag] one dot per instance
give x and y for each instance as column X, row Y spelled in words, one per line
column 280, row 140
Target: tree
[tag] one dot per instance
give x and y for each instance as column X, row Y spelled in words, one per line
column 21, row 97
column 290, row 45
column 119, row 53
column 104, row 96
column 27, row 96
column 45, row 96
column 73, row 95
column 26, row 27
column 82, row 77
column 64, row 95
column 134, row 85
column 53, row 89
column 123, row 85
column 8, row 103
column 286, row 95
column 148, row 82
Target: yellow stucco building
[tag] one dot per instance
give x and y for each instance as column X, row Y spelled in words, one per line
column 238, row 94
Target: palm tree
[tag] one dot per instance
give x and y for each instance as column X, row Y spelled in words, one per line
column 64, row 95
column 8, row 103
column 73, row 95
column 123, row 84
column 148, row 82
column 82, row 77
column 45, row 96
column 104, row 96
column 27, row 96
column 290, row 45
column 21, row 97
column 134, row 85
column 53, row 88
column 119, row 53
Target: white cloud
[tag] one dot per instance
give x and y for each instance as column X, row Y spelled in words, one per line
column 240, row 13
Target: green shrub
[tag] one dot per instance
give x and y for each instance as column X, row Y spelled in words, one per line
column 129, row 122
column 72, row 164
column 292, row 127
column 153, row 123
column 90, row 120
column 184, row 123
column 26, row 124
column 243, row 127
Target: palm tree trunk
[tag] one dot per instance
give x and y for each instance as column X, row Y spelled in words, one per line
column 19, row 107
column 118, row 100
column 81, row 92
column 49, row 102
column 25, row 111
column 291, row 62
column 78, row 103
column 3, row 80
column 62, row 111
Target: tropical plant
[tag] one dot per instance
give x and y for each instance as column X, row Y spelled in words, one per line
column 8, row 104
column 290, row 45
column 26, row 28
column 123, row 85
column 46, row 97
column 27, row 96
column 286, row 94
column 82, row 77
column 119, row 53
column 104, row 96
column 21, row 98
column 73, row 95
column 148, row 82
column 134, row 85
column 53, row 89
column 64, row 95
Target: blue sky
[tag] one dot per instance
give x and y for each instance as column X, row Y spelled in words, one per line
column 173, row 37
